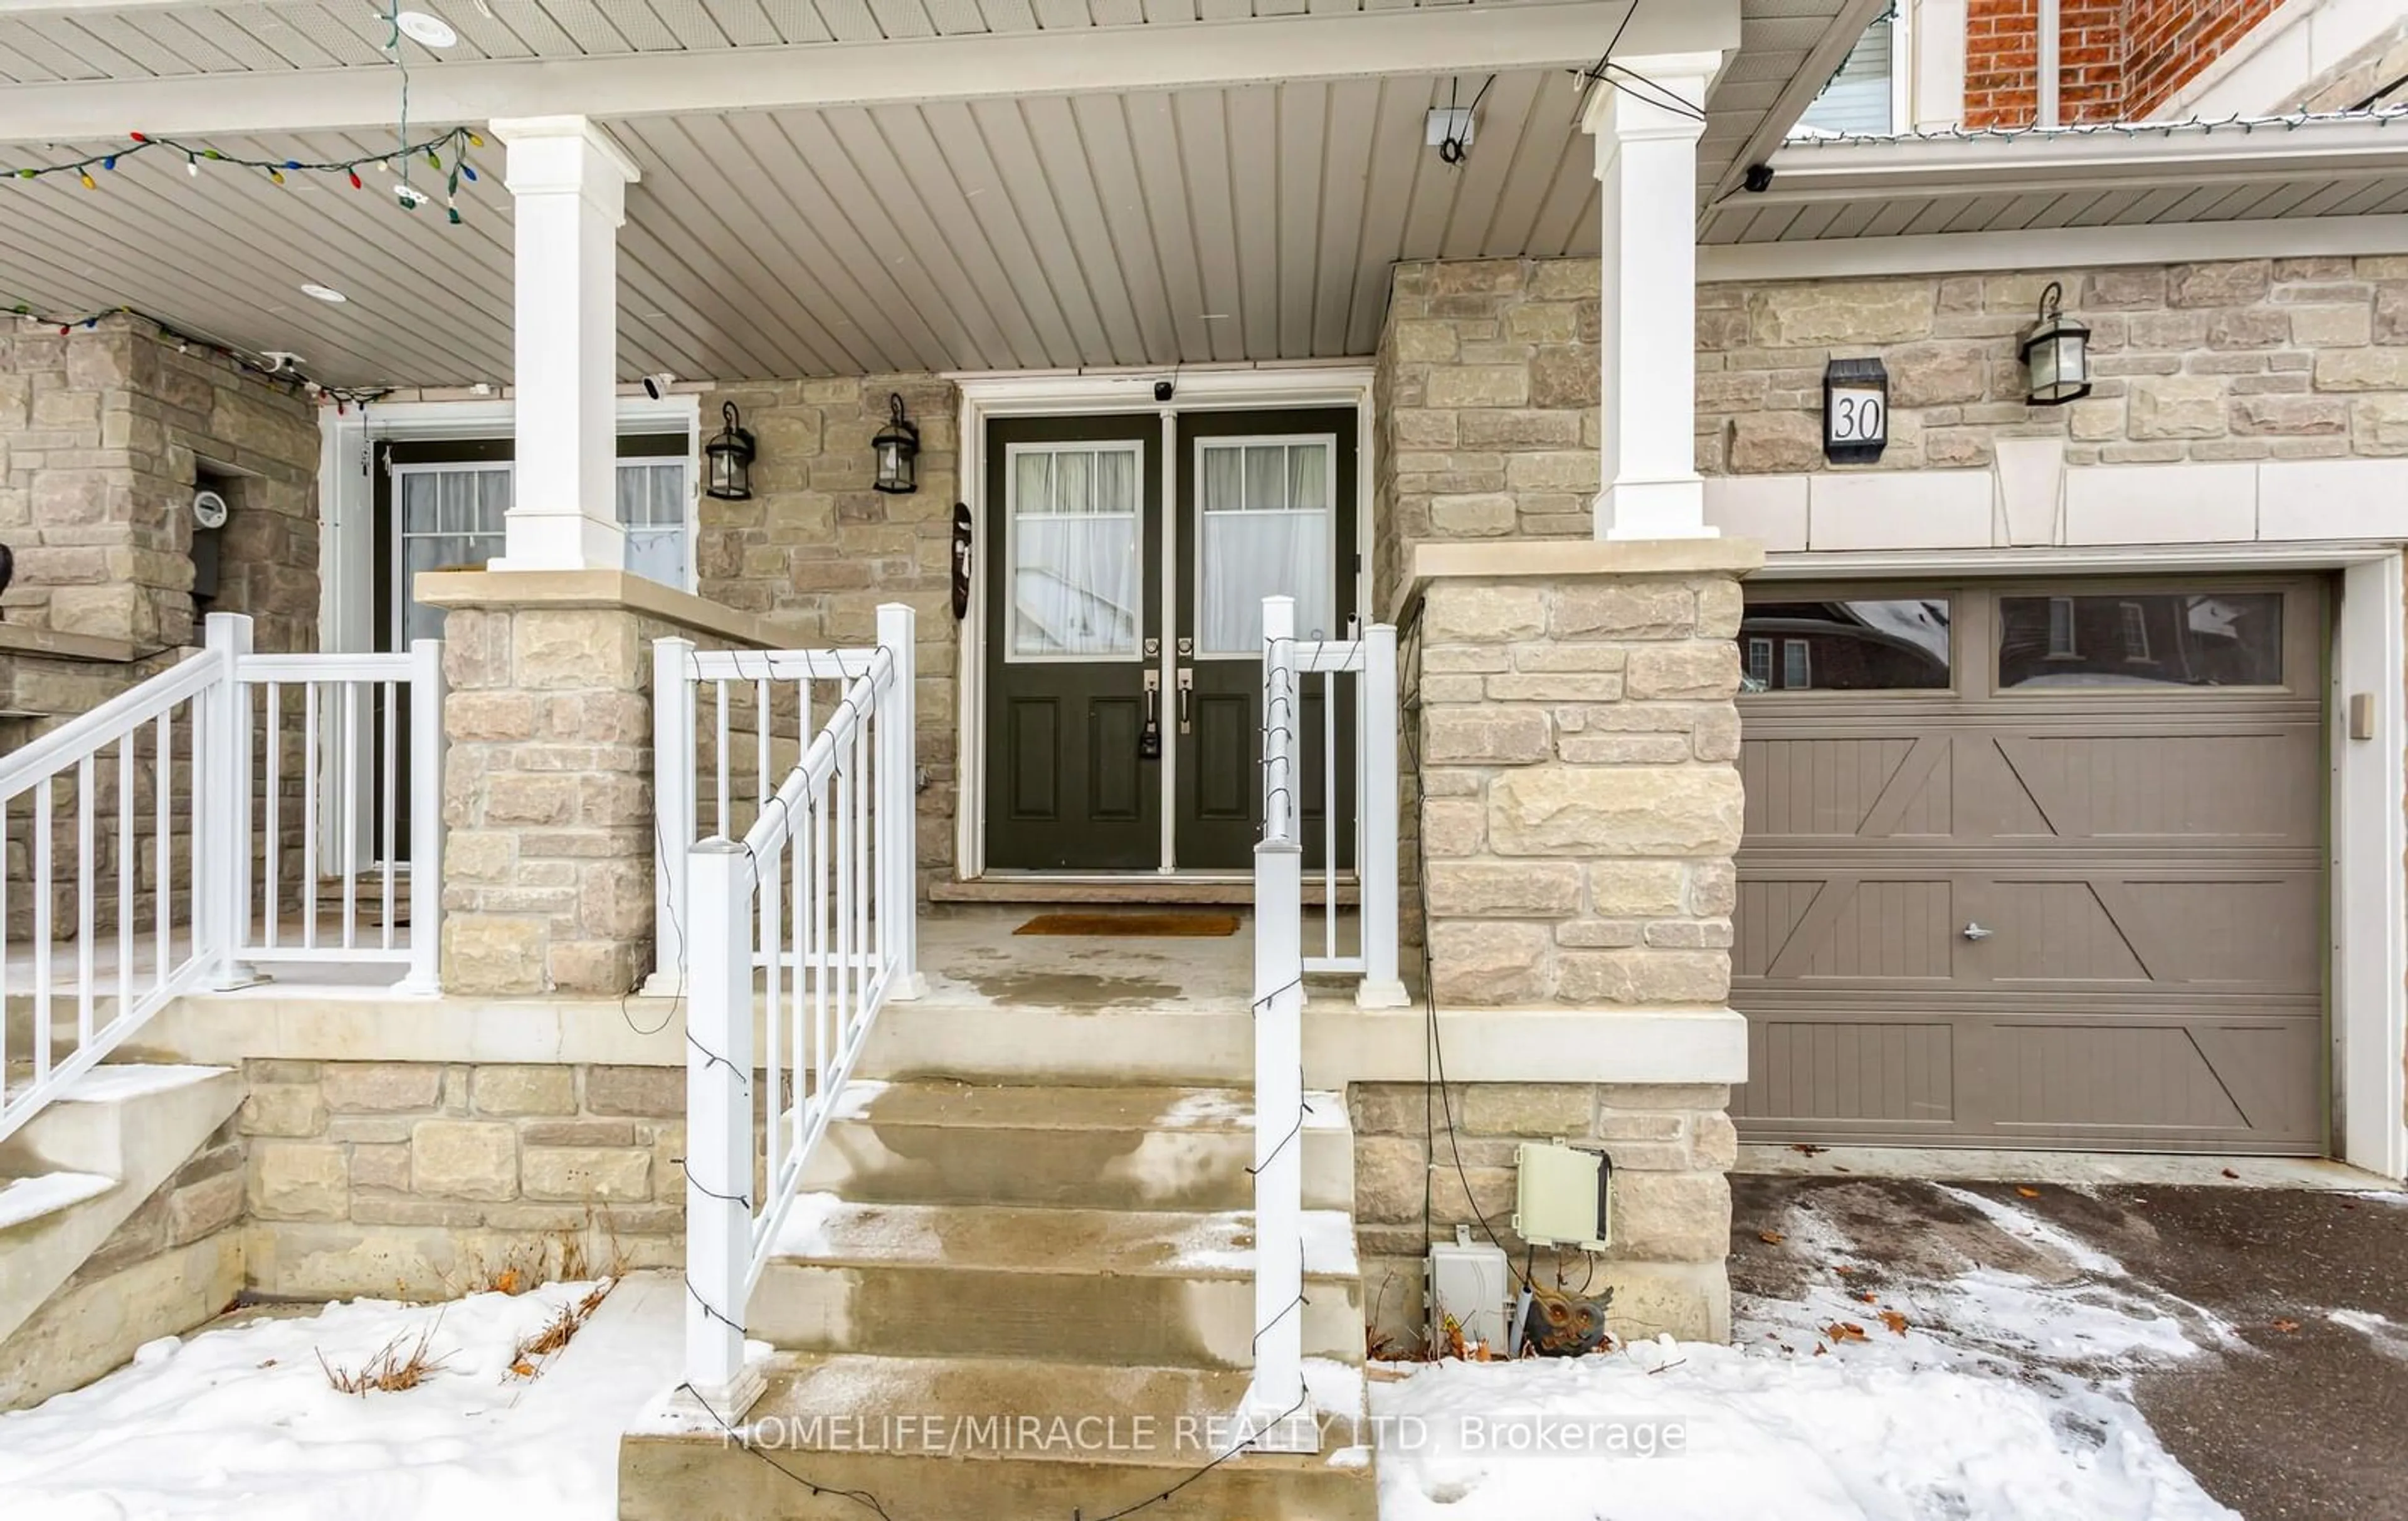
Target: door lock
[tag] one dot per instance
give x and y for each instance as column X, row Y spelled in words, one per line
column 1186, row 646
column 1186, row 698
column 1973, row 931
column 1149, row 738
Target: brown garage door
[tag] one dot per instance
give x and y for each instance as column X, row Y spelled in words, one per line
column 2034, row 866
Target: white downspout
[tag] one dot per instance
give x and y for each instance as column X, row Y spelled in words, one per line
column 2049, row 114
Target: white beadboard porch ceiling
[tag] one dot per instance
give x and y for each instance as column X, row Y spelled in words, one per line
column 1152, row 229
column 1133, row 228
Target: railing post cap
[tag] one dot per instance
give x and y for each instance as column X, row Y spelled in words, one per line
column 717, row 845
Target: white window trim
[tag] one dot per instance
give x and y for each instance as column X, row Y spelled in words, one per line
column 1012, row 456
column 1330, row 526
column 398, row 604
column 988, row 395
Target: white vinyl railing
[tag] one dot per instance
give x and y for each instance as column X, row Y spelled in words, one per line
column 1372, row 658
column 726, row 724
column 1275, row 1399
column 808, row 919
column 136, row 879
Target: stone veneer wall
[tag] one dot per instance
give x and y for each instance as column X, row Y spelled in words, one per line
column 176, row 1262
column 1671, row 1146
column 425, row 1180
column 1578, row 741
column 1485, row 386
column 548, row 867
column 817, row 550
column 2238, row 360
column 102, row 431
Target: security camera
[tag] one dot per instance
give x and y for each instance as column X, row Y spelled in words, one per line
column 657, row 386
column 1162, row 390
column 1759, row 178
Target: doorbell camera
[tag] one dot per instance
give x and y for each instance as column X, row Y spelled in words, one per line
column 657, row 386
column 1162, row 390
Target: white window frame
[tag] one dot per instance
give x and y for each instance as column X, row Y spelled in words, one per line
column 1797, row 665
column 2072, row 648
column 1760, row 669
column 1195, row 538
column 1013, row 453
column 2135, row 619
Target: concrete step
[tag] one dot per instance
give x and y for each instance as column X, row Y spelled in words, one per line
column 1131, row 1287
column 1121, row 1148
column 970, row 1439
column 27, row 1199
column 129, row 1126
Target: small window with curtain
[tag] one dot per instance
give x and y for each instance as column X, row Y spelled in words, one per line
column 1075, row 553
column 653, row 500
column 1265, row 530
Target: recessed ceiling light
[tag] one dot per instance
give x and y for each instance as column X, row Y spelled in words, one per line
column 324, row 293
column 427, row 28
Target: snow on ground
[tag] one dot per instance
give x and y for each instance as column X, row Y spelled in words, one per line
column 242, row 1422
column 2002, row 1400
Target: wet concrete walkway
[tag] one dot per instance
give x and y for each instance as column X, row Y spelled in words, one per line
column 2296, row 1409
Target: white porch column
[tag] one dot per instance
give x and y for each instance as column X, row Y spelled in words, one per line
column 1647, row 178
column 568, row 181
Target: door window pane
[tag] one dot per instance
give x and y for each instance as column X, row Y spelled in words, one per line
column 1887, row 644
column 1077, row 560
column 2161, row 638
column 452, row 519
column 651, row 510
column 1263, row 530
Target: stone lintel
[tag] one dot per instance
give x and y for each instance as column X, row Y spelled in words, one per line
column 505, row 590
column 1572, row 559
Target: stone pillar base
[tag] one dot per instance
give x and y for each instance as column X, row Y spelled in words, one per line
column 550, row 840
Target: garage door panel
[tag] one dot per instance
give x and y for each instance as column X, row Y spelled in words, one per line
column 2141, row 867
column 1814, row 787
column 1888, row 1072
column 2234, row 787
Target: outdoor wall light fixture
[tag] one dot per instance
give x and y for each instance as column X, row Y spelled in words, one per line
column 730, row 457
column 2056, row 353
column 897, row 447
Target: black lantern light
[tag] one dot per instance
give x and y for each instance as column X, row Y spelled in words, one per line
column 731, row 459
column 897, row 446
column 2056, row 351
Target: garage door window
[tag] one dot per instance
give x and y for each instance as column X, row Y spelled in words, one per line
column 1868, row 645
column 2153, row 638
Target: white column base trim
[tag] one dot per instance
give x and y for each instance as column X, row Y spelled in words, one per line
column 1634, row 510
column 1389, row 994
column 910, row 989
column 725, row 1406
column 541, row 540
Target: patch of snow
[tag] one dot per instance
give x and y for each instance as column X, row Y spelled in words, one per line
column 1699, row 1432
column 2389, row 1339
column 30, row 1198
column 2034, row 1231
column 853, row 1099
column 242, row 1422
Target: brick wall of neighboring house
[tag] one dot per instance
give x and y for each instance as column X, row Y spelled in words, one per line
column 2253, row 359
column 817, row 550
column 2119, row 59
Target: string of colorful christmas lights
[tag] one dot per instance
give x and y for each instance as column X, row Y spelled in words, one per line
column 283, row 372
column 456, row 143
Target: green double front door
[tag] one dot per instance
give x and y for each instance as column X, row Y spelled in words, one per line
column 1123, row 633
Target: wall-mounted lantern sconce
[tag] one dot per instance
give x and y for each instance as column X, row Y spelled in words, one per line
column 2056, row 351
column 898, row 448
column 730, row 457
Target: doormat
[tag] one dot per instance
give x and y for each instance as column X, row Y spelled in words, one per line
column 1150, row 925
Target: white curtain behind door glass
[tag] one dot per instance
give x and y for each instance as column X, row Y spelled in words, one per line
column 651, row 510
column 1077, row 561
column 1265, row 532
column 452, row 519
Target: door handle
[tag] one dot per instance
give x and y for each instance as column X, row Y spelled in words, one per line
column 1186, row 694
column 1149, row 738
column 1973, row 931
